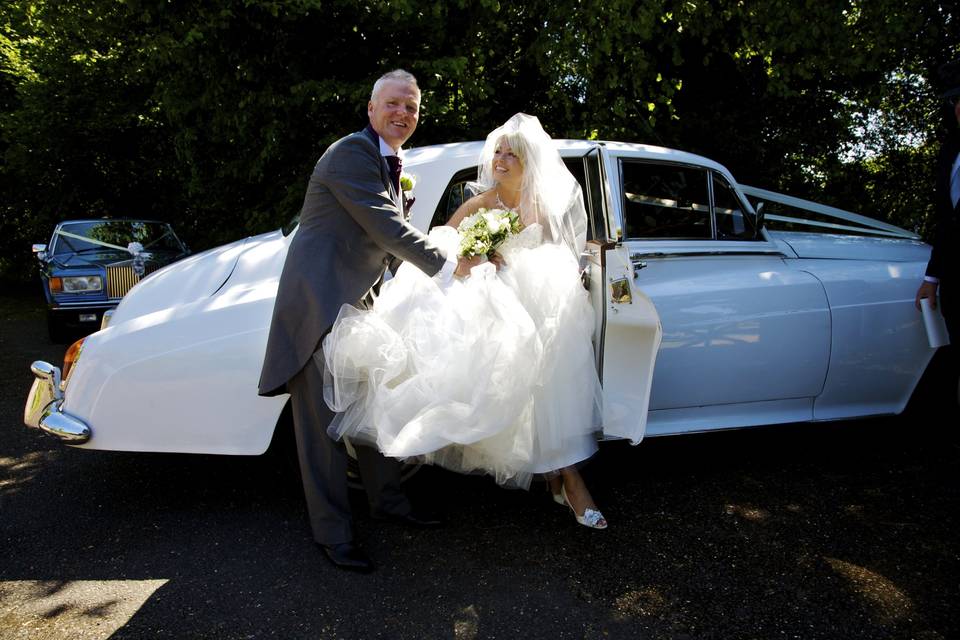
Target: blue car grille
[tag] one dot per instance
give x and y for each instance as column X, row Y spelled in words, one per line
column 121, row 278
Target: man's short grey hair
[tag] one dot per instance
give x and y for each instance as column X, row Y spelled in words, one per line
column 395, row 75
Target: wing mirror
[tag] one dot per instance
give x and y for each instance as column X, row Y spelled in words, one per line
column 40, row 250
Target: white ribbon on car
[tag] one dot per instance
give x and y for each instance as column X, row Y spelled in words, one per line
column 863, row 223
column 134, row 248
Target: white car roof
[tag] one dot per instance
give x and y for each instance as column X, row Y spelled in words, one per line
column 464, row 153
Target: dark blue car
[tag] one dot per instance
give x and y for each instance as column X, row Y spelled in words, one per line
column 89, row 265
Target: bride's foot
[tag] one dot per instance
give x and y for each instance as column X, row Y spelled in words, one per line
column 589, row 518
column 554, row 486
column 580, row 501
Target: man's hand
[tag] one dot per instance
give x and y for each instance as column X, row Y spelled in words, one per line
column 927, row 290
column 465, row 264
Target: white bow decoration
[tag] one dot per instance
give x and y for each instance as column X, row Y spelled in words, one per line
column 136, row 250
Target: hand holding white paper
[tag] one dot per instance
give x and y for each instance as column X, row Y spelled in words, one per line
column 935, row 325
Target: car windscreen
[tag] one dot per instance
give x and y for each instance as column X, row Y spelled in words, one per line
column 97, row 235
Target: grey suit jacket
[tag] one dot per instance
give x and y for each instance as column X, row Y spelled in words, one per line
column 351, row 227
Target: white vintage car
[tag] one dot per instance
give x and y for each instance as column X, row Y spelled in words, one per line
column 759, row 326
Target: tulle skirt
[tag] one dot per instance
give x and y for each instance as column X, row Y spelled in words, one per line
column 494, row 373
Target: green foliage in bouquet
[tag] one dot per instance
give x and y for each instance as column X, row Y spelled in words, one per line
column 485, row 230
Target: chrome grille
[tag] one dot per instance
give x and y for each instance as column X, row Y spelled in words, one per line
column 121, row 278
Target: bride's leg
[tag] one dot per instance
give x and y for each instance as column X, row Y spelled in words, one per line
column 576, row 490
column 554, row 482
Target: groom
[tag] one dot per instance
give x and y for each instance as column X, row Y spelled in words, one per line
column 351, row 228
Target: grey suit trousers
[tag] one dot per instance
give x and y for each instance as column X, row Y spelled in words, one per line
column 323, row 463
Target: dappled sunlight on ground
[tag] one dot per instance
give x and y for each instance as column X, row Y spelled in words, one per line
column 636, row 603
column 747, row 512
column 888, row 603
column 58, row 608
column 15, row 472
column 467, row 622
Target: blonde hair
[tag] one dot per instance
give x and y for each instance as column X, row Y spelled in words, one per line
column 549, row 194
column 518, row 144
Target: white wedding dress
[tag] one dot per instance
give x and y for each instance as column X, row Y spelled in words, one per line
column 494, row 373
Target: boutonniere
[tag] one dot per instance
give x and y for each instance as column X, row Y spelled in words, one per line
column 407, row 183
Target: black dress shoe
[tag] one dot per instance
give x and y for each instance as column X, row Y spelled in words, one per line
column 347, row 555
column 416, row 518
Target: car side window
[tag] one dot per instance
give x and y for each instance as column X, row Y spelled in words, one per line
column 461, row 189
column 457, row 192
column 731, row 221
column 665, row 201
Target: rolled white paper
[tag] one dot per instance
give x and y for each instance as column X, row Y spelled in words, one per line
column 935, row 325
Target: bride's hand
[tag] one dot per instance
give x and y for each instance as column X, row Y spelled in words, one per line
column 465, row 264
column 497, row 260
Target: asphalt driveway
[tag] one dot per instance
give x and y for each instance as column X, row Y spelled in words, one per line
column 845, row 530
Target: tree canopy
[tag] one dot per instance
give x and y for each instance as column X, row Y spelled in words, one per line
column 211, row 115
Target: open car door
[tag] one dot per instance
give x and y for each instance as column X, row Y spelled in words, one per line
column 627, row 328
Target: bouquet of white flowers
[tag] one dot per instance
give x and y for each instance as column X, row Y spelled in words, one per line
column 485, row 230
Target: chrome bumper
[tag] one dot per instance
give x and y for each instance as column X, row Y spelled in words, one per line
column 42, row 410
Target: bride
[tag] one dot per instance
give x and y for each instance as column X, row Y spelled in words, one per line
column 495, row 372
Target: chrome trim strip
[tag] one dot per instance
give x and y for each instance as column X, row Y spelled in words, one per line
column 85, row 304
column 651, row 255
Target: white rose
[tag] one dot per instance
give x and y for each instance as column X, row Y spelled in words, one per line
column 494, row 224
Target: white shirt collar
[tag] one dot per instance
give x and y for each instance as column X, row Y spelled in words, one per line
column 387, row 150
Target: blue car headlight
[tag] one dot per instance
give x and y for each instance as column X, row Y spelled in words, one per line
column 76, row 284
